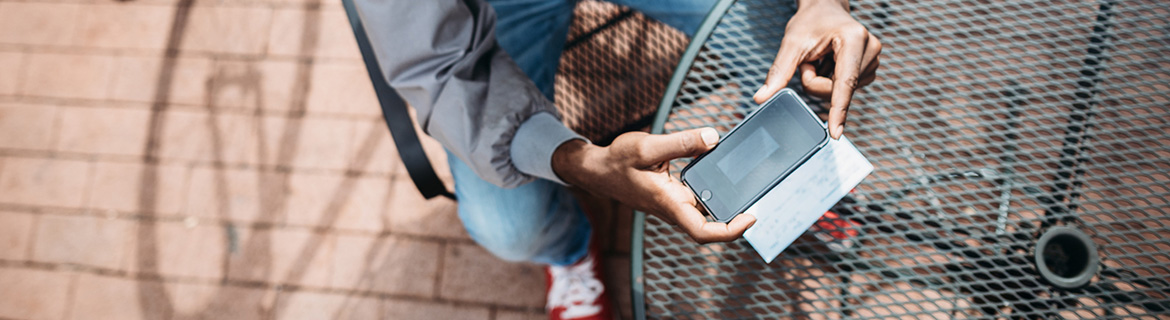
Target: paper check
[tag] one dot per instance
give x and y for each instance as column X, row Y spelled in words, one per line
column 785, row 212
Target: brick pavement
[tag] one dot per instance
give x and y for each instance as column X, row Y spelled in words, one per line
column 183, row 159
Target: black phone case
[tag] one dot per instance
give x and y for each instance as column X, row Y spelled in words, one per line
column 761, row 193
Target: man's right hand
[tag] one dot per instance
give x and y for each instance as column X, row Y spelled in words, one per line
column 635, row 171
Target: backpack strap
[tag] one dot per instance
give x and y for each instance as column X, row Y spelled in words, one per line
column 394, row 111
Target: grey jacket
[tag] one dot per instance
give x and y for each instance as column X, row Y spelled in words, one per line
column 442, row 57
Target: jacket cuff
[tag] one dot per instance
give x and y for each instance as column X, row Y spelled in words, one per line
column 534, row 143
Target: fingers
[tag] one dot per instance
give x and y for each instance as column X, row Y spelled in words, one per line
column 658, row 148
column 814, row 84
column 781, row 71
column 816, row 81
column 693, row 223
column 873, row 49
column 870, row 73
column 819, row 85
column 849, row 54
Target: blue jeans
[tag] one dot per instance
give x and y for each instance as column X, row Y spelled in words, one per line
column 541, row 221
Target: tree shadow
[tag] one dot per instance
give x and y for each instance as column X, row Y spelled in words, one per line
column 152, row 295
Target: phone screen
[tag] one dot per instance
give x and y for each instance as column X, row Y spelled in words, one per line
column 755, row 155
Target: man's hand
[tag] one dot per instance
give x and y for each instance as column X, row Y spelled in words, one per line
column 818, row 28
column 635, row 171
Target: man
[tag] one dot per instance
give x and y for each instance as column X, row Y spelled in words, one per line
column 480, row 76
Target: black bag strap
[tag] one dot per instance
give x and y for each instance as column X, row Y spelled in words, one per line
column 397, row 118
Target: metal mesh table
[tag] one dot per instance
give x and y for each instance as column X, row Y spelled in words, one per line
column 1022, row 161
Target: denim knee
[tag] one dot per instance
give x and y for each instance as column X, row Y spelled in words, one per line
column 536, row 222
column 487, row 225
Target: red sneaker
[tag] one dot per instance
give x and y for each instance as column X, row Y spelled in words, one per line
column 577, row 292
column 840, row 231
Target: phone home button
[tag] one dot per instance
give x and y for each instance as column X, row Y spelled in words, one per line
column 705, row 195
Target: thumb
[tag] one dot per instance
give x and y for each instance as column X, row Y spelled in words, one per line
column 665, row 147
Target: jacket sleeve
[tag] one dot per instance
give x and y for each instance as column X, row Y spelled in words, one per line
column 442, row 58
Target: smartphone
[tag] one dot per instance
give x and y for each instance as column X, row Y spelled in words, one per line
column 756, row 155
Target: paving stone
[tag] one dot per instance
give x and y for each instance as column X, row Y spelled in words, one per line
column 324, row 143
column 68, row 75
column 45, row 182
column 118, row 186
column 38, row 23
column 287, row 32
column 33, row 294
column 234, row 84
column 197, row 251
column 28, row 126
column 311, row 199
column 276, row 256
column 186, row 136
column 336, row 201
column 409, row 310
column 236, row 137
column 384, row 156
column 227, row 137
column 138, row 78
column 292, row 2
column 11, row 63
column 367, row 206
column 93, row 130
column 236, row 194
column 386, row 264
column 471, row 273
column 375, row 233
column 15, row 235
column 102, row 297
column 278, row 84
column 187, row 298
column 413, row 214
column 342, row 88
column 84, row 240
column 336, row 36
column 279, row 140
column 515, row 315
column 250, row 84
column 124, row 25
column 313, row 305
column 227, row 29
column 202, row 301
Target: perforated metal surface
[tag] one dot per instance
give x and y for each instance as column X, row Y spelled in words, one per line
column 990, row 124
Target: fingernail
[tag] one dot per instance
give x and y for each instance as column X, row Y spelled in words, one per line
column 761, row 91
column 839, row 129
column 710, row 136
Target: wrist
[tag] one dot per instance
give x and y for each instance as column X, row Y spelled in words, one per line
column 568, row 160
